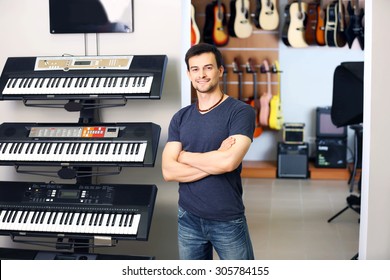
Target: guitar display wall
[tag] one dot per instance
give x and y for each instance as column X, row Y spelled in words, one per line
column 261, row 44
column 258, row 46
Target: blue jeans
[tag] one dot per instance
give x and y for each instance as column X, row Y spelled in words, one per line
column 198, row 236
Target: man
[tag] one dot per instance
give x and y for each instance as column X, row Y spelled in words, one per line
column 206, row 144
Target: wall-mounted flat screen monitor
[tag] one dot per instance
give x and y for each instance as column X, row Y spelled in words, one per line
column 91, row 16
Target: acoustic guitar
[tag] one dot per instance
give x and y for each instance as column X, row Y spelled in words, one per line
column 286, row 25
column 209, row 24
column 266, row 96
column 296, row 29
column 266, row 15
column 335, row 24
column 320, row 27
column 311, row 23
column 355, row 28
column 220, row 35
column 195, row 34
column 240, row 25
column 255, row 102
column 276, row 115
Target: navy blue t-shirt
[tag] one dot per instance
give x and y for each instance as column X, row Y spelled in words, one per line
column 215, row 197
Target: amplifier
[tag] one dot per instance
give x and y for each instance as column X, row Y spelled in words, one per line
column 293, row 160
column 325, row 127
column 331, row 153
column 293, row 133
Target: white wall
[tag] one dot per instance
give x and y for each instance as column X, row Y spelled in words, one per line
column 375, row 215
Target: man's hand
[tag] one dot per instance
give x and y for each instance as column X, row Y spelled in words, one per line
column 227, row 143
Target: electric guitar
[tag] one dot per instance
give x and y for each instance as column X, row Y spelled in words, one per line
column 266, row 96
column 311, row 23
column 224, row 79
column 266, row 15
column 195, row 34
column 276, row 115
column 220, row 35
column 320, row 27
column 239, row 23
column 238, row 71
column 335, row 24
column 296, row 29
column 255, row 102
column 355, row 28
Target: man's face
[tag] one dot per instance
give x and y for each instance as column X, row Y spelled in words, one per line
column 204, row 72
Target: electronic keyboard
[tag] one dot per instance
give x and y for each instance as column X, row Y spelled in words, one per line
column 76, row 210
column 70, row 144
column 83, row 77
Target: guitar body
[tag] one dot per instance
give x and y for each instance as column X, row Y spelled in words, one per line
column 220, row 35
column 239, row 23
column 320, row 27
column 267, row 15
column 265, row 97
column 195, row 34
column 296, row 29
column 311, row 24
column 334, row 32
column 209, row 24
column 355, row 29
column 286, row 25
column 276, row 115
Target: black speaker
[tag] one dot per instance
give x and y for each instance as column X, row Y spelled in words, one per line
column 293, row 160
column 331, row 153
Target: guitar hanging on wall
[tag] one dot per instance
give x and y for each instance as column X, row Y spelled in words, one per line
column 355, row 28
column 266, row 15
column 296, row 29
column 320, row 27
column 195, row 34
column 255, row 102
column 214, row 31
column 276, row 115
column 266, row 96
column 335, row 24
column 240, row 25
column 238, row 71
column 286, row 25
column 311, row 23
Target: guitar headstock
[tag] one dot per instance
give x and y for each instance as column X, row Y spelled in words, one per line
column 250, row 66
column 264, row 68
column 236, row 65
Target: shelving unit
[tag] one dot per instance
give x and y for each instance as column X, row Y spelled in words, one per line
column 267, row 170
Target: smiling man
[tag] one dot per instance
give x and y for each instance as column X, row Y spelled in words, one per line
column 207, row 142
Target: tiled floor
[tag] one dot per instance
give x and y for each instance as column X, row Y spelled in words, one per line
column 288, row 219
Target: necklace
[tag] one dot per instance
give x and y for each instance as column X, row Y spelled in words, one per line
column 212, row 107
